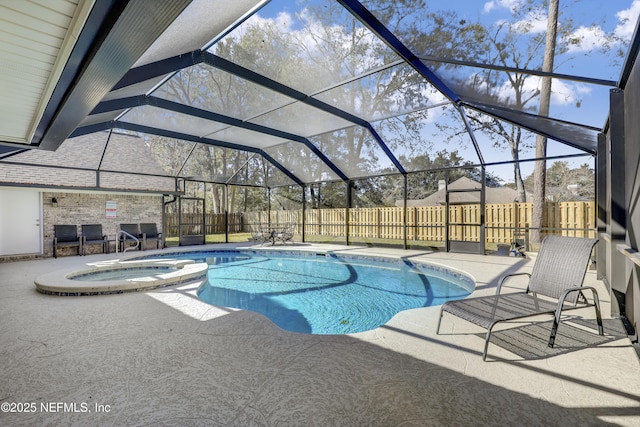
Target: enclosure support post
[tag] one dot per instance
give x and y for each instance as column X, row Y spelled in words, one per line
column 226, row 213
column 163, row 226
column 482, row 212
column 404, row 213
column 304, row 208
column 268, row 207
column 446, row 210
column 204, row 221
column 180, row 220
column 346, row 211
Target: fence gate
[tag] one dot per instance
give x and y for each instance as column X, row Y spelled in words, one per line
column 465, row 227
column 191, row 221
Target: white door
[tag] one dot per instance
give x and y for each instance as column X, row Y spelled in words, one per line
column 20, row 223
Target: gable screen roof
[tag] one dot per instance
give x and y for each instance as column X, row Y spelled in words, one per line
column 321, row 90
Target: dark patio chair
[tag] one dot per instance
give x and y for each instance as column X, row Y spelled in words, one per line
column 149, row 232
column 262, row 234
column 66, row 236
column 92, row 235
column 132, row 231
column 555, row 285
column 520, row 243
column 284, row 234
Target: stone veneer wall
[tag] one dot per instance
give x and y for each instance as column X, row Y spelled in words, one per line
column 90, row 208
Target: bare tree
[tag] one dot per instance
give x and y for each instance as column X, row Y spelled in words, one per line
column 540, row 172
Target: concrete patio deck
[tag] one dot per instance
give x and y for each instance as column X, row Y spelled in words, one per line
column 162, row 357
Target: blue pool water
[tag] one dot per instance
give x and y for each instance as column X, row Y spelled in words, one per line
column 324, row 294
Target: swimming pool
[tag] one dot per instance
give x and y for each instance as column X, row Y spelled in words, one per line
column 314, row 293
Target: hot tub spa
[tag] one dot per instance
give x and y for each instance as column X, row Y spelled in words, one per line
column 121, row 276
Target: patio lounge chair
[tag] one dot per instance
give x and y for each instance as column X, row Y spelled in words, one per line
column 66, row 236
column 149, row 232
column 555, row 284
column 92, row 235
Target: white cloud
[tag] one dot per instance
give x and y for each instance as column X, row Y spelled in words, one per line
column 307, row 37
column 534, row 22
column 627, row 18
column 282, row 21
column 489, row 6
column 512, row 5
column 562, row 93
column 587, row 38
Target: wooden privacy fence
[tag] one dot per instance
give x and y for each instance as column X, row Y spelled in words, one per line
column 427, row 223
column 214, row 224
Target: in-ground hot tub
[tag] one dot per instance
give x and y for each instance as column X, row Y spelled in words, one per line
column 112, row 277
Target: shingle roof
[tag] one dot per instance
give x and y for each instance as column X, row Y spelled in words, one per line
column 492, row 195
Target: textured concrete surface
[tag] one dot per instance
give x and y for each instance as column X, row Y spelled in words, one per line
column 164, row 358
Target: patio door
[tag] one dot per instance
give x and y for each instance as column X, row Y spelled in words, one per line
column 191, row 220
column 465, row 228
column 20, row 227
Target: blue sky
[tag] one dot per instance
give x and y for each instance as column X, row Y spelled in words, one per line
column 592, row 20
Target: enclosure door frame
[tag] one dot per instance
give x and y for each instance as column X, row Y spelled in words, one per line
column 465, row 246
column 192, row 239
